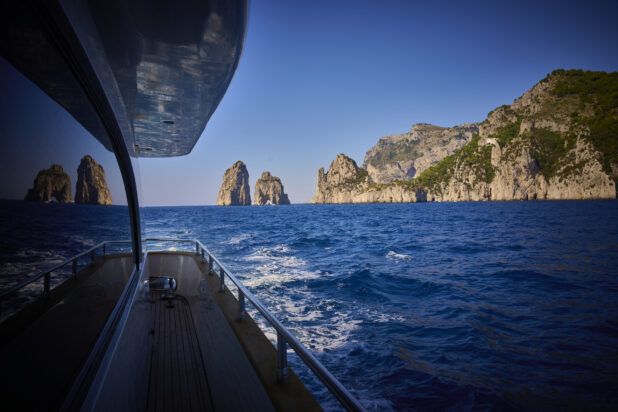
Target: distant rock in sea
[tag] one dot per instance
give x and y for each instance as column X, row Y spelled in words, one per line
column 235, row 189
column 91, row 184
column 269, row 189
column 51, row 183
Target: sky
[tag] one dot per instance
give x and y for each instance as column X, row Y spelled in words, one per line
column 318, row 78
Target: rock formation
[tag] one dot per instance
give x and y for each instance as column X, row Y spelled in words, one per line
column 52, row 182
column 91, row 186
column 235, row 187
column 345, row 182
column 557, row 141
column 554, row 142
column 269, row 189
column 405, row 156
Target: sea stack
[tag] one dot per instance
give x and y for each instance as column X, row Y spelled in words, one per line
column 235, row 187
column 269, row 189
column 52, row 182
column 91, row 185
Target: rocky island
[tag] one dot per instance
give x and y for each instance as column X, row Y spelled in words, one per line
column 235, row 187
column 91, row 185
column 559, row 140
column 269, row 190
column 50, row 183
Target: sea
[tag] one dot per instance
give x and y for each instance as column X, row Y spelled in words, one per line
column 425, row 306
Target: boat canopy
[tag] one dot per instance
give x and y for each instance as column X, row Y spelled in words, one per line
column 162, row 66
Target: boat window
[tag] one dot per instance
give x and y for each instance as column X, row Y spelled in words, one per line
column 61, row 192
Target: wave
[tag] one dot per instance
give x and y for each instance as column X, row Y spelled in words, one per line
column 393, row 255
column 429, row 307
column 238, row 239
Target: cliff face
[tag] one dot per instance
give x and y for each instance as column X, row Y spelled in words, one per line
column 269, row 189
column 405, row 156
column 91, row 185
column 557, row 141
column 235, row 187
column 345, row 182
column 52, row 182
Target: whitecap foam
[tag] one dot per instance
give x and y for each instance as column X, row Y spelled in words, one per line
column 238, row 239
column 276, row 265
column 400, row 256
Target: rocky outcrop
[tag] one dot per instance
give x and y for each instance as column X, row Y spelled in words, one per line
column 521, row 179
column 345, row 182
column 50, row 183
column 91, row 185
column 557, row 141
column 235, row 187
column 540, row 147
column 269, row 190
column 405, row 156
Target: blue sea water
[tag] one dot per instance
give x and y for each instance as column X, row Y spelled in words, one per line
column 428, row 306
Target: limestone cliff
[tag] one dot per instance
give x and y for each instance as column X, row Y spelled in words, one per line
column 345, row 182
column 559, row 140
column 235, row 187
column 91, row 185
column 405, row 156
column 269, row 190
column 52, row 182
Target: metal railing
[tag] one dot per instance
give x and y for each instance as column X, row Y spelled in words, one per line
column 46, row 274
column 284, row 337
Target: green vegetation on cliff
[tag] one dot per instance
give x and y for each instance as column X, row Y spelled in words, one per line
column 593, row 93
column 401, row 151
column 361, row 177
column 600, row 91
column 505, row 134
column 551, row 130
column 549, row 149
column 471, row 155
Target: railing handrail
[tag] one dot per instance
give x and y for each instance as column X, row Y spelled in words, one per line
column 39, row 275
column 333, row 385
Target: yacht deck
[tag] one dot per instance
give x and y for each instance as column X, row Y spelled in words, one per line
column 177, row 374
column 197, row 362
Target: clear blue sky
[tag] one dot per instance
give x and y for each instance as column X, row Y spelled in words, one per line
column 317, row 78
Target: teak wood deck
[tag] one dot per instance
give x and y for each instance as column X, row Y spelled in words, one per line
column 177, row 376
column 197, row 362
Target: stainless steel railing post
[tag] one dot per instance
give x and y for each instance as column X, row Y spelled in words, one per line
column 197, row 248
column 222, row 277
column 202, row 252
column 210, row 263
column 241, row 305
column 282, row 359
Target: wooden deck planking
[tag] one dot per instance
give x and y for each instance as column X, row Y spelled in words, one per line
column 221, row 377
column 234, row 384
column 177, row 377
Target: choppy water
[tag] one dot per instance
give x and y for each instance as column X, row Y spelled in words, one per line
column 463, row 306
